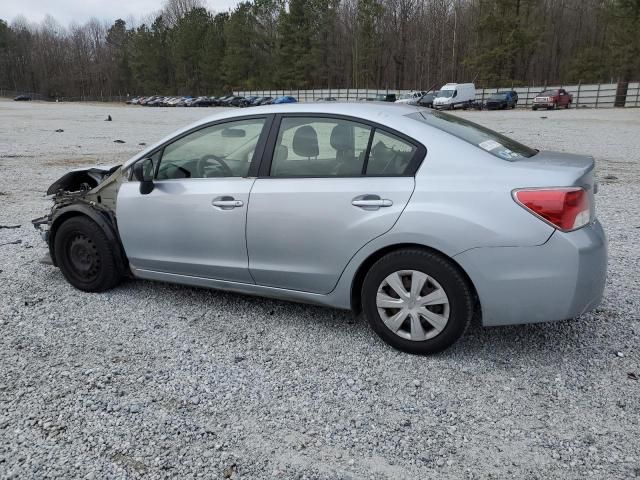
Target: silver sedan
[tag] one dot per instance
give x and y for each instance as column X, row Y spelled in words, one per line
column 419, row 219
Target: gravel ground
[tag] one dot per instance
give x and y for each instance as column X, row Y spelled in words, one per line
column 154, row 380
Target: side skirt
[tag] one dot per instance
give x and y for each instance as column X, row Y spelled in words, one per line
column 246, row 288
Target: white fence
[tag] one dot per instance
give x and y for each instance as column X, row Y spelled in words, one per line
column 601, row 95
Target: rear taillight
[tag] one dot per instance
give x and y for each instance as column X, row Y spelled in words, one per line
column 564, row 208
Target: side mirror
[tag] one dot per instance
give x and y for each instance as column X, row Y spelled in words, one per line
column 143, row 172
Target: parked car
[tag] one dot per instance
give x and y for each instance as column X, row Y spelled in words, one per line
column 501, row 100
column 220, row 101
column 149, row 101
column 288, row 202
column 388, row 97
column 263, row 101
column 427, row 99
column 227, row 101
column 156, row 102
column 202, row 102
column 453, row 95
column 326, row 99
column 284, row 99
column 385, row 97
column 411, row 98
column 552, row 99
column 248, row 101
column 22, row 98
column 174, row 101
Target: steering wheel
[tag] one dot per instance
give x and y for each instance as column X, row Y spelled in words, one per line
column 202, row 164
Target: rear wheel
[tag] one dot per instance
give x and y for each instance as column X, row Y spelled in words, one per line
column 85, row 256
column 417, row 301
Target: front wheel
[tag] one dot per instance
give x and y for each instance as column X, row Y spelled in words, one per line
column 417, row 301
column 85, row 256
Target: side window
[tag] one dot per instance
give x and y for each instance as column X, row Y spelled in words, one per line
column 390, row 155
column 319, row 147
column 223, row 150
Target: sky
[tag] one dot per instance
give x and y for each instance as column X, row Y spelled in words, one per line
column 79, row 11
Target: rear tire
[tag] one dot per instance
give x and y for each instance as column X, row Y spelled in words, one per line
column 85, row 256
column 418, row 325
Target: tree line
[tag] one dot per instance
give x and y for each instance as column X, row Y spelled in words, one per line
column 395, row 44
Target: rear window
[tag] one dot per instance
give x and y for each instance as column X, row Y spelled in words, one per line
column 482, row 137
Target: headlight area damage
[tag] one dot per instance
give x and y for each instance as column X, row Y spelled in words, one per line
column 89, row 192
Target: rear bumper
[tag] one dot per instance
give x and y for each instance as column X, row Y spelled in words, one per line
column 560, row 279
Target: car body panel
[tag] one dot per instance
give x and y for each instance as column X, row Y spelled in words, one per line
column 176, row 229
column 301, row 232
column 561, row 279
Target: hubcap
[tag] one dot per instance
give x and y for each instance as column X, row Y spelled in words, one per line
column 413, row 305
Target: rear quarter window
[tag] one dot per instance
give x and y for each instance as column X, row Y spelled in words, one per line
column 488, row 140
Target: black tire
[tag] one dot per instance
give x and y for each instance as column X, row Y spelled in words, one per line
column 443, row 271
column 534, row 108
column 85, row 256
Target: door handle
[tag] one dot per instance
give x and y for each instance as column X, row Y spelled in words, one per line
column 371, row 202
column 226, row 203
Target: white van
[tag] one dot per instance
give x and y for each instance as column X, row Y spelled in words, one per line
column 453, row 95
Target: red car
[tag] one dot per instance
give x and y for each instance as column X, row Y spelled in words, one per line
column 553, row 99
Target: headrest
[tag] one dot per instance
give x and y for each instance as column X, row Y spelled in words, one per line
column 341, row 138
column 305, row 142
column 380, row 151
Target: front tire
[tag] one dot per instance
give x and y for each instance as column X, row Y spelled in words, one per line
column 417, row 301
column 85, row 256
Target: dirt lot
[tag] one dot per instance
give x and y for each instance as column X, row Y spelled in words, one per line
column 154, row 380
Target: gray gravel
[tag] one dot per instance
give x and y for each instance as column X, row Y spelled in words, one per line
column 154, row 380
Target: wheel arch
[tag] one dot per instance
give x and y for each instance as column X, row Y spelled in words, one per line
column 105, row 221
column 358, row 278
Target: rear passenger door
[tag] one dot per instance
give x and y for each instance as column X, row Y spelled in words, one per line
column 327, row 186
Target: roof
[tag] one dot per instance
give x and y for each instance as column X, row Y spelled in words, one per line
column 366, row 110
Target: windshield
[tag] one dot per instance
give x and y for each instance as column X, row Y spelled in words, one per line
column 482, row 137
column 547, row 93
column 404, row 96
column 446, row 93
column 498, row 96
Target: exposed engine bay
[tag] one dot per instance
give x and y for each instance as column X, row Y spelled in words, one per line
column 81, row 180
column 90, row 191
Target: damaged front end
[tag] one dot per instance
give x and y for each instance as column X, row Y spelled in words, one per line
column 91, row 192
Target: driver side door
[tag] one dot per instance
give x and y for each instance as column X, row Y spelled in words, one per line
column 193, row 221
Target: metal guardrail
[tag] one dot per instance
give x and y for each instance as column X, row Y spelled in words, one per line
column 601, row 95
